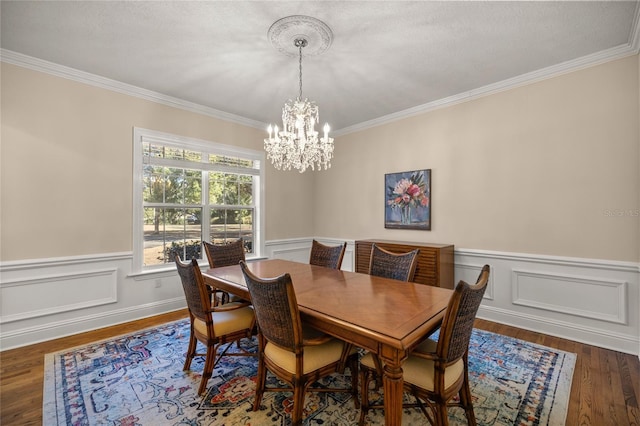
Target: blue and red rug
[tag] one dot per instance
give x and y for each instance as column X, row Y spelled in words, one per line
column 137, row 379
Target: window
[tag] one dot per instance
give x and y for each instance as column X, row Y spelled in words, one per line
column 187, row 191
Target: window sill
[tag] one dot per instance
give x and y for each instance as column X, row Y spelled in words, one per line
column 169, row 270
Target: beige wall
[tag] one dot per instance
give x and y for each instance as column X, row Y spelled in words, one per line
column 66, row 166
column 550, row 168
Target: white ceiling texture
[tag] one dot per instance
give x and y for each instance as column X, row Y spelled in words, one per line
column 387, row 59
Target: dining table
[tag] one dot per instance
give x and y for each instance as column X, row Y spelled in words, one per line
column 381, row 315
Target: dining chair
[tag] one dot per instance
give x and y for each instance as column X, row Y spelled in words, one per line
column 212, row 326
column 436, row 371
column 220, row 255
column 296, row 354
column 327, row 256
column 398, row 266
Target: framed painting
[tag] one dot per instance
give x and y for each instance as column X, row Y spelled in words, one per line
column 408, row 200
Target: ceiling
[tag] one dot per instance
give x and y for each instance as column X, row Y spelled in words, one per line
column 388, row 59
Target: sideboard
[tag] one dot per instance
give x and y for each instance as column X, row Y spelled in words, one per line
column 435, row 261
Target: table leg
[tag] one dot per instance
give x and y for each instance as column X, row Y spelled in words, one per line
column 393, row 388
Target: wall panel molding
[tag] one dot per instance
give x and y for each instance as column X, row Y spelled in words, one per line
column 601, row 299
column 82, row 290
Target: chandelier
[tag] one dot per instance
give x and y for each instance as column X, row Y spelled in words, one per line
column 298, row 145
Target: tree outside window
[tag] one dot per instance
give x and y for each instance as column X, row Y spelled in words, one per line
column 191, row 195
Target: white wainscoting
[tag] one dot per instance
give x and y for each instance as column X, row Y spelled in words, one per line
column 587, row 300
column 44, row 299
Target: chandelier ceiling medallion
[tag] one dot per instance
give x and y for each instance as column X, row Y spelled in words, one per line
column 297, row 145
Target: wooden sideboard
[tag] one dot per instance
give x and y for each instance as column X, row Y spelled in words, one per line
column 435, row 261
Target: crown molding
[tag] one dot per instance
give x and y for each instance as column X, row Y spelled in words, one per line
column 47, row 67
column 634, row 37
column 587, row 61
column 619, row 52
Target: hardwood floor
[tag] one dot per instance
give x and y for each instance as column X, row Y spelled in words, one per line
column 605, row 388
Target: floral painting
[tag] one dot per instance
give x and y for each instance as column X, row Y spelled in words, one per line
column 408, row 200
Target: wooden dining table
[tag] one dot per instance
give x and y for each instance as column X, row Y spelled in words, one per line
column 384, row 316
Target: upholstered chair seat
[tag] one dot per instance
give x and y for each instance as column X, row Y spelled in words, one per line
column 314, row 358
column 420, row 372
column 228, row 322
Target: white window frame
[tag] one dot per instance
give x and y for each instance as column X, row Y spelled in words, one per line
column 141, row 135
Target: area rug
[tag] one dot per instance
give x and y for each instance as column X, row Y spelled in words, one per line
column 137, row 379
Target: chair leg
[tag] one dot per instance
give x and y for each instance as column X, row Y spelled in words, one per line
column 365, row 380
column 260, row 383
column 379, row 370
column 442, row 417
column 191, row 350
column 353, row 366
column 298, row 404
column 209, row 363
column 467, row 403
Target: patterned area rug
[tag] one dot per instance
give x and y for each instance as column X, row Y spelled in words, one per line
column 137, row 379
